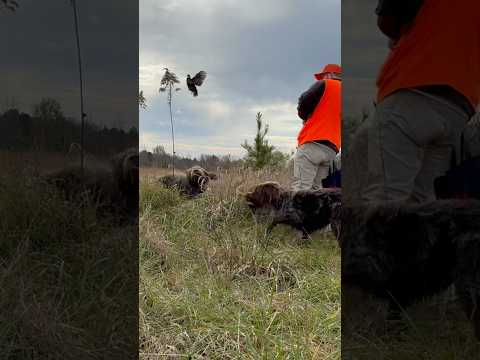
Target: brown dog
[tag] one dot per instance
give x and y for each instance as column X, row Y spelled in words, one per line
column 400, row 253
column 194, row 182
column 113, row 186
column 306, row 210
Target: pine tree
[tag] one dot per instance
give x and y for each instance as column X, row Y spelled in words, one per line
column 167, row 84
column 261, row 153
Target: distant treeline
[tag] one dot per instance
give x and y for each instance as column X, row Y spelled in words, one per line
column 160, row 159
column 47, row 129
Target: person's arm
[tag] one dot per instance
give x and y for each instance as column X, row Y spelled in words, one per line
column 394, row 15
column 389, row 26
column 308, row 101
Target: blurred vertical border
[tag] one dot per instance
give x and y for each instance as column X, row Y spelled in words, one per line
column 69, row 179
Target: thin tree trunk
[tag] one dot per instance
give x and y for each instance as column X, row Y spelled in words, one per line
column 173, row 135
column 82, row 131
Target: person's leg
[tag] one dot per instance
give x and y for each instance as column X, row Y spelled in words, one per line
column 405, row 127
column 326, row 156
column 436, row 162
column 438, row 155
column 394, row 158
column 304, row 168
column 322, row 173
column 311, row 163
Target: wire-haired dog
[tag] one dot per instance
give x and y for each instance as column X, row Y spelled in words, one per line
column 126, row 174
column 305, row 210
column 194, row 182
column 402, row 253
column 113, row 186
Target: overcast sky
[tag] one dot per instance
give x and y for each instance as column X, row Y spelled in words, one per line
column 364, row 49
column 39, row 58
column 259, row 56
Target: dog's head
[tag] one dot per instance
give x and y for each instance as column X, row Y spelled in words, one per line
column 198, row 177
column 264, row 197
column 126, row 170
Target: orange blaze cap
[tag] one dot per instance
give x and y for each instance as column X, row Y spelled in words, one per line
column 329, row 68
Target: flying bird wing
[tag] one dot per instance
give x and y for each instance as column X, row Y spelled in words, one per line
column 193, row 89
column 199, row 78
column 191, row 86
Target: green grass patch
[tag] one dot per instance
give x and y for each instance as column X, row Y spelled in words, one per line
column 213, row 285
column 64, row 273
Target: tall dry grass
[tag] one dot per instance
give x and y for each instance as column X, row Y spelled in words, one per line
column 153, row 173
column 31, row 162
column 214, row 285
column 67, row 276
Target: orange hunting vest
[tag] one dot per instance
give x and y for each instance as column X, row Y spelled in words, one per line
column 442, row 47
column 324, row 123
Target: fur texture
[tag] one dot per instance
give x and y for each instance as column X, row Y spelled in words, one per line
column 112, row 186
column 126, row 174
column 403, row 253
column 306, row 210
column 194, row 182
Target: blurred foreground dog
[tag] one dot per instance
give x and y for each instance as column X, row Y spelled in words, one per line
column 194, row 182
column 399, row 254
column 305, row 210
column 112, row 186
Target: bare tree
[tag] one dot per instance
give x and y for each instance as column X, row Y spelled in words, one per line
column 82, row 112
column 168, row 85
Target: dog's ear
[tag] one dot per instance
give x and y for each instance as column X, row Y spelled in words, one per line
column 264, row 195
column 192, row 176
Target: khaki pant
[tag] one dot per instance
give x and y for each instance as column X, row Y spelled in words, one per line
column 410, row 142
column 310, row 166
column 355, row 166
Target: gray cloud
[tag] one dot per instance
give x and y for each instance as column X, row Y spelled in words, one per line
column 41, row 57
column 364, row 49
column 259, row 57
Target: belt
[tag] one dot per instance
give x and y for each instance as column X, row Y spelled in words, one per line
column 328, row 144
column 451, row 95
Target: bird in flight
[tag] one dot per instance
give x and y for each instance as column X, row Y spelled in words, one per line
column 197, row 80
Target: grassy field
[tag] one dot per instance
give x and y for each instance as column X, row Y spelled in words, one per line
column 433, row 329
column 65, row 274
column 213, row 285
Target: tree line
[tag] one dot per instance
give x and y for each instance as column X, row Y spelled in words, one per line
column 260, row 154
column 159, row 158
column 48, row 129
